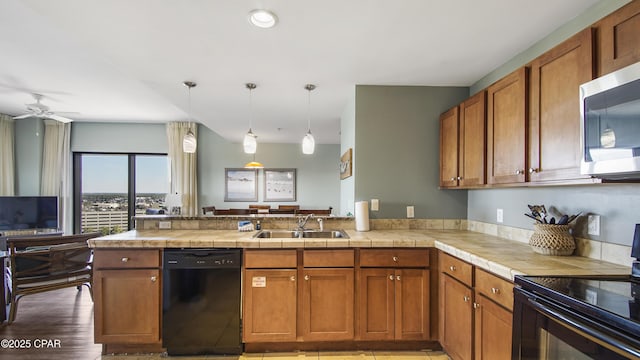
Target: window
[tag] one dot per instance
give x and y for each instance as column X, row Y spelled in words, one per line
column 109, row 189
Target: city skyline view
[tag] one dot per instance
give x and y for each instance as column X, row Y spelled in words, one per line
column 108, row 174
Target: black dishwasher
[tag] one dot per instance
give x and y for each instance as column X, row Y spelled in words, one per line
column 201, row 301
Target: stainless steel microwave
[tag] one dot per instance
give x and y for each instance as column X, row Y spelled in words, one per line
column 610, row 127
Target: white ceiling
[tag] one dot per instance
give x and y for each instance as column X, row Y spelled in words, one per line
column 125, row 60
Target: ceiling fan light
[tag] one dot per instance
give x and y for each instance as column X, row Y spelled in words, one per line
column 189, row 143
column 264, row 19
column 308, row 144
column 250, row 143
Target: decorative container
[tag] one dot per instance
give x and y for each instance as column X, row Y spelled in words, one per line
column 548, row 239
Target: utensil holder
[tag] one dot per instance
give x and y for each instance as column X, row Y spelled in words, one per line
column 548, row 239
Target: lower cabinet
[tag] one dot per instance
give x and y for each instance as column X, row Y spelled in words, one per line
column 126, row 291
column 492, row 330
column 456, row 318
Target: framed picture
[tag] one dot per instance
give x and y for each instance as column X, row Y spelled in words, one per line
column 240, row 184
column 279, row 184
column 345, row 164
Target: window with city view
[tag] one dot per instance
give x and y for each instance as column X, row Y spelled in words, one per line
column 115, row 187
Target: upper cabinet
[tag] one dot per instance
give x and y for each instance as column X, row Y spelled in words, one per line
column 554, row 121
column 462, row 144
column 506, row 128
column 618, row 38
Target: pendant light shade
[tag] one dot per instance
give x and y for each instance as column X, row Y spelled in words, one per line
column 254, row 165
column 189, row 141
column 308, row 142
column 250, row 142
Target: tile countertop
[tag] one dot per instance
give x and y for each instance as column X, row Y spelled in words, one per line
column 499, row 256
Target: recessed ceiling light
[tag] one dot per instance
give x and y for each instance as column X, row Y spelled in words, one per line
column 263, row 18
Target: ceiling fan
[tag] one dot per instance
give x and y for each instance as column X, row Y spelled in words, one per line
column 40, row 110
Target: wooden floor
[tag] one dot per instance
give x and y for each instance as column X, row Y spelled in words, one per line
column 59, row 325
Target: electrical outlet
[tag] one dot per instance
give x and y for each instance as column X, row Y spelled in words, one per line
column 593, row 225
column 375, row 204
column 500, row 216
column 165, row 225
column 410, row 213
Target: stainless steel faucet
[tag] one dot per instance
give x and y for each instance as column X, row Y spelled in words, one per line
column 302, row 221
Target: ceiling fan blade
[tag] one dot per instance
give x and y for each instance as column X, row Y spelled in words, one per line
column 23, row 116
column 62, row 119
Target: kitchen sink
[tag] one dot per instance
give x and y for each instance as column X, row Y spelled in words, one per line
column 309, row 234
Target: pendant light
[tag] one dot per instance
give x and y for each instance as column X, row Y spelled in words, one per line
column 250, row 142
column 189, row 141
column 308, row 142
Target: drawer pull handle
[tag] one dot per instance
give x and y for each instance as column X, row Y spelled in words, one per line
column 395, row 259
column 306, row 277
column 391, row 277
column 476, row 305
column 398, row 277
column 495, row 290
column 452, row 268
column 453, row 179
column 125, row 259
column 293, row 278
column 153, row 279
column 466, row 299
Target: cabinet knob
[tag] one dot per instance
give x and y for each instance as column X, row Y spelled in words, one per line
column 125, row 259
column 466, row 299
column 398, row 277
column 476, row 305
column 459, row 178
column 293, row 278
column 306, row 277
column 533, row 170
column 391, row 277
column 495, row 290
column 452, row 268
column 453, row 179
column 395, row 259
column 153, row 279
column 519, row 172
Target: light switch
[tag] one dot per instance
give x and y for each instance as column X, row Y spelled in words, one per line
column 410, row 213
column 375, row 204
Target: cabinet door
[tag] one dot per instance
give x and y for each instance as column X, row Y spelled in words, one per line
column 554, row 124
column 449, row 145
column 618, row 38
column 327, row 304
column 269, row 307
column 127, row 306
column 456, row 322
column 472, row 160
column 376, row 300
column 493, row 326
column 412, row 304
column 506, row 128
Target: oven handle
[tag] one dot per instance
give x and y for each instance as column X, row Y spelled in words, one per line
column 585, row 330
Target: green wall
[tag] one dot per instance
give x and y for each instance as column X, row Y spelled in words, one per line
column 618, row 205
column 29, row 142
column 397, row 150
column 119, row 137
column 347, row 141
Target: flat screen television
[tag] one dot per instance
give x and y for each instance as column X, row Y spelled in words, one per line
column 28, row 212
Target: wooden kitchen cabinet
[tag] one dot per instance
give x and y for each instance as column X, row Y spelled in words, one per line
column 463, row 144
column 554, row 122
column 456, row 318
column 126, row 292
column 507, row 127
column 493, row 326
column 618, row 35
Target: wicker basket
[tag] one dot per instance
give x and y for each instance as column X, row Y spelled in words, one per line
column 550, row 239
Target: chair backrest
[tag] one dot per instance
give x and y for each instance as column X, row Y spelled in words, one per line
column 235, row 211
column 288, row 207
column 208, row 209
column 282, row 211
column 259, row 207
column 34, row 257
column 314, row 211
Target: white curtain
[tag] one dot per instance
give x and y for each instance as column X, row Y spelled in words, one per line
column 56, row 168
column 184, row 172
column 7, row 167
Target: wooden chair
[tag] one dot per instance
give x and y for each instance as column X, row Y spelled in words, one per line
column 262, row 209
column 282, row 211
column 235, row 211
column 208, row 209
column 39, row 264
column 288, row 207
column 314, row 211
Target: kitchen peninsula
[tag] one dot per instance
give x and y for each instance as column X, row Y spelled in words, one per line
column 427, row 257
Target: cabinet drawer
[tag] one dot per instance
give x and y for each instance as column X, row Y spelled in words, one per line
column 394, row 258
column 270, row 259
column 457, row 268
column 126, row 258
column 495, row 288
column 328, row 258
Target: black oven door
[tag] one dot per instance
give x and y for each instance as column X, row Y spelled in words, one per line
column 543, row 330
